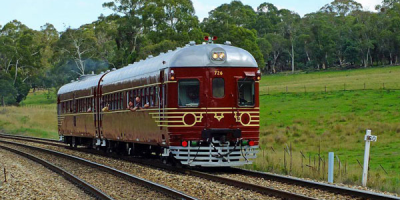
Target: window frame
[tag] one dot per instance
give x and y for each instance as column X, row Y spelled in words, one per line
column 188, row 79
column 212, row 86
column 254, row 93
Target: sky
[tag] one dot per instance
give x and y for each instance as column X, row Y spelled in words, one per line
column 74, row 13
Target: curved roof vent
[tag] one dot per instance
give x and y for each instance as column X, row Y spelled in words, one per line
column 113, row 69
column 228, row 43
column 192, row 43
column 150, row 56
column 108, row 71
column 204, row 43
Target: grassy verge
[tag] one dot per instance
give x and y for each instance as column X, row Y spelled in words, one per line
column 358, row 79
column 36, row 117
column 312, row 121
column 332, row 122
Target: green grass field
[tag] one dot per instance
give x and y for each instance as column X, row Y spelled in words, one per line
column 306, row 117
column 334, row 121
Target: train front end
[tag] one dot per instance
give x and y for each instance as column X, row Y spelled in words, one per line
column 213, row 109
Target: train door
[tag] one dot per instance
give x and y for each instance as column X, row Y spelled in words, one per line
column 161, row 97
column 94, row 109
column 220, row 98
column 102, row 103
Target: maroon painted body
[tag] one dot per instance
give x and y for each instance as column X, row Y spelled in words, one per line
column 215, row 113
column 200, row 115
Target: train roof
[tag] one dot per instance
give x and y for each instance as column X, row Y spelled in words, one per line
column 188, row 56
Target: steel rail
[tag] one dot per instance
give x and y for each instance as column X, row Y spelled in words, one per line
column 33, row 139
column 314, row 184
column 155, row 186
column 273, row 177
column 226, row 181
column 70, row 177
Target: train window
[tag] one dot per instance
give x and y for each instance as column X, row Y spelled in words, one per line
column 218, row 87
column 147, row 96
column 152, row 96
column 188, row 93
column 246, row 92
column 156, row 95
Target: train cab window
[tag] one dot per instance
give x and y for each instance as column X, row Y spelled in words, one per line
column 218, row 87
column 156, row 95
column 246, row 92
column 188, row 93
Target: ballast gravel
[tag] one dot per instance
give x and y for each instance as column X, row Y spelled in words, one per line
column 116, row 187
column 188, row 184
column 27, row 179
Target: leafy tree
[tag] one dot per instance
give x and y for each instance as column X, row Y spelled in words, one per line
column 289, row 26
column 78, row 45
column 342, row 7
column 7, row 90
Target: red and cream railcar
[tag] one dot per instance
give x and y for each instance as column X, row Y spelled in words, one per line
column 204, row 107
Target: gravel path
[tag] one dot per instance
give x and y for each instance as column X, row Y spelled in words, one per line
column 116, row 187
column 191, row 185
column 27, row 179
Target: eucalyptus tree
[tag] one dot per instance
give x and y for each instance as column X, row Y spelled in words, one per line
column 19, row 55
column 289, row 26
column 222, row 18
column 342, row 7
column 130, row 27
column 267, row 19
column 278, row 43
column 78, row 45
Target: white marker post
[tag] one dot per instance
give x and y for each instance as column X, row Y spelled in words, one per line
column 368, row 138
column 331, row 163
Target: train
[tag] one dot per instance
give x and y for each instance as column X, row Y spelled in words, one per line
column 195, row 106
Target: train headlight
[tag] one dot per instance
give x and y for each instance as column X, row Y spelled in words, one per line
column 215, row 56
column 221, row 56
column 218, row 55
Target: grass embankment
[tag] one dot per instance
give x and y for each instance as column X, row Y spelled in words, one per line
column 334, row 121
column 36, row 117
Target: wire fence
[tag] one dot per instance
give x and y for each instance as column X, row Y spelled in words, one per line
column 315, row 165
column 308, row 88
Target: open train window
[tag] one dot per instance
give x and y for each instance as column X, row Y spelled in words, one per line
column 156, row 95
column 218, row 86
column 188, row 93
column 246, row 92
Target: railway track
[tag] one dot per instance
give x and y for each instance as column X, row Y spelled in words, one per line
column 232, row 175
column 96, row 174
column 86, row 187
column 312, row 184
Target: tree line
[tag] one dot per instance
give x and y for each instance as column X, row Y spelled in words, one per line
column 339, row 35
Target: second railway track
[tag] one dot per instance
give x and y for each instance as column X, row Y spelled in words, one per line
column 111, row 183
column 262, row 183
